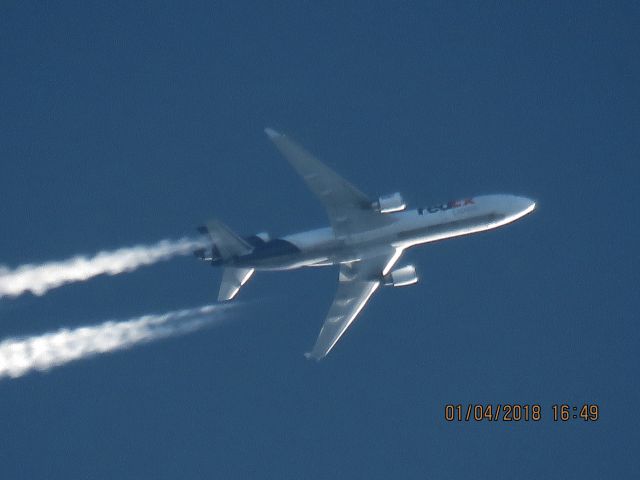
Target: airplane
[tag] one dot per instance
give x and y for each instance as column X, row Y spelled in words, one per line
column 366, row 238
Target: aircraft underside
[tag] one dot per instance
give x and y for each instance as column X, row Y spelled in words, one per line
column 366, row 238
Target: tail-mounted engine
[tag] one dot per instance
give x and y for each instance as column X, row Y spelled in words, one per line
column 389, row 203
column 401, row 277
column 258, row 239
column 208, row 254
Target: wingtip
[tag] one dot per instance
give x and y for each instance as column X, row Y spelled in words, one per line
column 272, row 133
column 311, row 356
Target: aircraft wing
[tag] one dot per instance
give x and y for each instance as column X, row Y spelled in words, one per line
column 349, row 209
column 357, row 282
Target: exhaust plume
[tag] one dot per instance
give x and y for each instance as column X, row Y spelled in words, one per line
column 41, row 278
column 19, row 356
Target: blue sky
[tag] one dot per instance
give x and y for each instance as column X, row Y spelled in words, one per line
column 123, row 124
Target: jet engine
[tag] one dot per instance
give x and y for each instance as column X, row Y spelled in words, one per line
column 401, row 277
column 389, row 203
column 201, row 253
column 204, row 254
column 208, row 255
column 258, row 240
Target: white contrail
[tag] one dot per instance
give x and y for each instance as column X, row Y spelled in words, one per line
column 43, row 277
column 19, row 356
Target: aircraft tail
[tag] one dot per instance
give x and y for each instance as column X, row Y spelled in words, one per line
column 226, row 245
column 232, row 281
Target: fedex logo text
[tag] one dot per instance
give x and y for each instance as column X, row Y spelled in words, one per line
column 447, row 206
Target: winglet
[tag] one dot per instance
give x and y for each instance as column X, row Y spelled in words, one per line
column 272, row 133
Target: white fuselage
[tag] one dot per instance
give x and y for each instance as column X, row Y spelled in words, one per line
column 410, row 227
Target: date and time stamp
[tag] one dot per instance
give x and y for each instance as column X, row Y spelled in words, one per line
column 515, row 412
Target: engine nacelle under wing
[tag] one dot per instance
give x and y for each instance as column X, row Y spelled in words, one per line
column 389, row 203
column 401, row 277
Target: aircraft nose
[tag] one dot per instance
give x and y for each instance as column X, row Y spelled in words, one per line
column 525, row 205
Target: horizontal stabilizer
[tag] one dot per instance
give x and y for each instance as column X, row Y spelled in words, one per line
column 232, row 280
column 226, row 242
